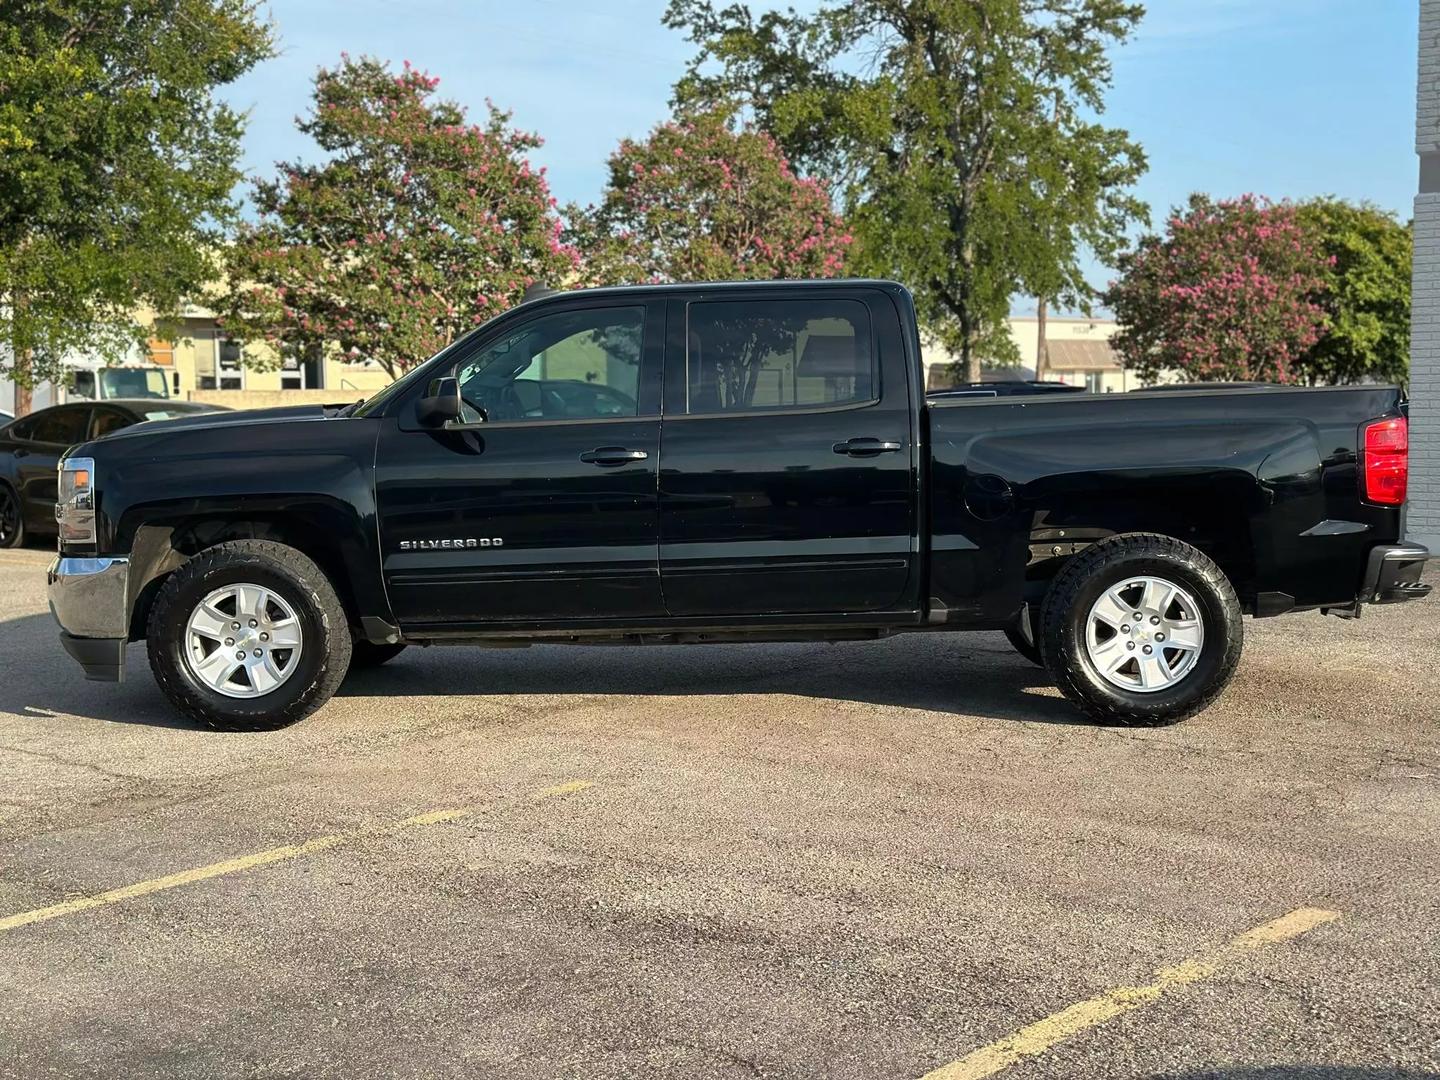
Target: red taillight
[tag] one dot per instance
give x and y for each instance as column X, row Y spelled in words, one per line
column 1387, row 461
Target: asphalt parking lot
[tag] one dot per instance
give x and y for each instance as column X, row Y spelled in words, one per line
column 857, row 860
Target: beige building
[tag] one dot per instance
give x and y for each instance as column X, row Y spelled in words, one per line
column 205, row 364
column 1080, row 354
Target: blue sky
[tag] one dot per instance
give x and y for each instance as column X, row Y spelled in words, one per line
column 1280, row 97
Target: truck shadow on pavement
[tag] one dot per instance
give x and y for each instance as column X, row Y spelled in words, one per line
column 974, row 675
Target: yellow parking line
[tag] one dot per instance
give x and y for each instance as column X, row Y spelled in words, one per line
column 250, row 862
column 1040, row 1036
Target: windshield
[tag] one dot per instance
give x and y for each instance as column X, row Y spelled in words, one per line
column 134, row 383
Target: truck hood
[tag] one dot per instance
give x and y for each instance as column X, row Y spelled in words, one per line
column 283, row 414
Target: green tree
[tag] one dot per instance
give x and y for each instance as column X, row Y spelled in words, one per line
column 116, row 168
column 1234, row 290
column 962, row 132
column 1366, row 295
column 705, row 199
column 417, row 226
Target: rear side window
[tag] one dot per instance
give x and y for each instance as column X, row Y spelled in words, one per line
column 61, row 426
column 778, row 354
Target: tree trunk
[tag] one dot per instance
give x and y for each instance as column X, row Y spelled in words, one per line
column 22, row 392
column 969, row 358
column 20, row 357
column 973, row 371
column 1042, row 346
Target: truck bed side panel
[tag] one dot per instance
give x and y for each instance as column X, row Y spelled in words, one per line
column 1251, row 478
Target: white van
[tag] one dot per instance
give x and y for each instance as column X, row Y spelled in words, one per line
column 98, row 383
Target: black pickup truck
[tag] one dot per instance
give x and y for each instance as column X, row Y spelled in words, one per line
column 725, row 463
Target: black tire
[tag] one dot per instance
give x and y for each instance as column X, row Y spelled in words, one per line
column 367, row 654
column 12, row 518
column 322, row 661
column 1086, row 577
column 1030, row 651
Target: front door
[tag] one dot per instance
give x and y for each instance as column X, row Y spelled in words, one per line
column 787, row 471
column 540, row 504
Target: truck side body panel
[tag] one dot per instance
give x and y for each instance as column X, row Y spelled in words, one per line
column 1264, row 481
column 311, row 480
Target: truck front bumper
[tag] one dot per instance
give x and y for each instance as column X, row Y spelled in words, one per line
column 88, row 600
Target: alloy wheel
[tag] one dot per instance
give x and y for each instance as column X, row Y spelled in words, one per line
column 243, row 640
column 1144, row 634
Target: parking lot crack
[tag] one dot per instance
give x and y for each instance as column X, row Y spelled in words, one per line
column 60, row 759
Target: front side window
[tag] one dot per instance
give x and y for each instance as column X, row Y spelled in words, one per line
column 777, row 354
column 572, row 365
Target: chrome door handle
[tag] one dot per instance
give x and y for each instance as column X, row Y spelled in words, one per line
column 866, row 447
column 612, row 455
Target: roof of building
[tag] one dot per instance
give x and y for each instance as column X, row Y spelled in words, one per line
column 1070, row 354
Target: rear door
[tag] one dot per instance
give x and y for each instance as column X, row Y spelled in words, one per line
column 545, row 510
column 787, row 471
column 38, row 442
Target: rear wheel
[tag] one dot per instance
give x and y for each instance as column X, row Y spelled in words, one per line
column 248, row 636
column 12, row 521
column 1141, row 629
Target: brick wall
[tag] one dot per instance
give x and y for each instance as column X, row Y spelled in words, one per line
column 1423, row 522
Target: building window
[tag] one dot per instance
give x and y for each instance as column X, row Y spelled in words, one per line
column 1095, row 382
column 232, row 375
column 217, row 362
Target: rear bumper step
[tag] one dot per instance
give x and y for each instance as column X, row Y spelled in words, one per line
column 1393, row 574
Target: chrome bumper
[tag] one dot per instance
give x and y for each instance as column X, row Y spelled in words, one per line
column 88, row 600
column 1393, row 573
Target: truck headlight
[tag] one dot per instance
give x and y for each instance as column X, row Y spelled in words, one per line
column 75, row 508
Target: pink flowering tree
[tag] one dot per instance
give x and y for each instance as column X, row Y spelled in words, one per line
column 1232, row 291
column 706, row 199
column 417, row 226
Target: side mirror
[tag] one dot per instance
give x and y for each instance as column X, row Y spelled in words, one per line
column 441, row 403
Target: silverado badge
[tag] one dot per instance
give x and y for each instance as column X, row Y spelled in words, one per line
column 451, row 545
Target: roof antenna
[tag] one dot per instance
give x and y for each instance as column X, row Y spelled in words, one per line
column 536, row 291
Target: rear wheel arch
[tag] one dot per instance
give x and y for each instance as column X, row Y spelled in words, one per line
column 1221, row 531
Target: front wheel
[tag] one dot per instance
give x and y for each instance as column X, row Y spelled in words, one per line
column 1142, row 630
column 248, row 636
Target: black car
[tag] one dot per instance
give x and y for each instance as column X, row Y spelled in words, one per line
column 30, row 450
